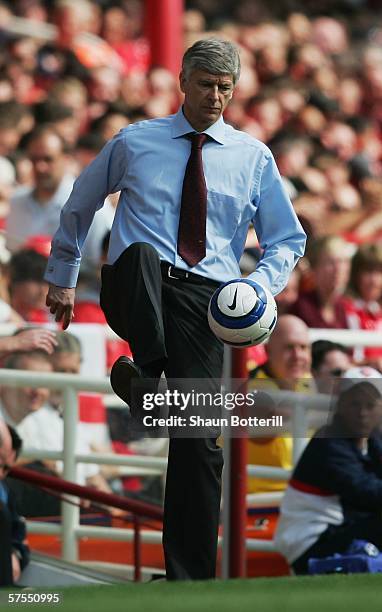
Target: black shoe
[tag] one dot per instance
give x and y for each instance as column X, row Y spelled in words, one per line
column 122, row 374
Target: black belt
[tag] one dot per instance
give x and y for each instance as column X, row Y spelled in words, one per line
column 170, row 271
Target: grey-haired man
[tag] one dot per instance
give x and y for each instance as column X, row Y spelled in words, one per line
column 190, row 186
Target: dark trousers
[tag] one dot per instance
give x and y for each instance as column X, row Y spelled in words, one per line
column 165, row 321
column 6, row 577
column 337, row 539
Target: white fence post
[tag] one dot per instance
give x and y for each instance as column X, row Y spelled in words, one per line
column 227, row 384
column 70, row 513
column 299, row 429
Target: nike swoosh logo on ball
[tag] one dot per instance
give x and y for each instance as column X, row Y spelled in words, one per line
column 233, row 305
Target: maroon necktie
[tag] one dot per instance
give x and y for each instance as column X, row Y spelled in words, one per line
column 193, row 212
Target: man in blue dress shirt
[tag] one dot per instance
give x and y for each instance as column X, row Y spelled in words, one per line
column 155, row 288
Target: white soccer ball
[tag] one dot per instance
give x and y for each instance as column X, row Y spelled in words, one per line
column 242, row 313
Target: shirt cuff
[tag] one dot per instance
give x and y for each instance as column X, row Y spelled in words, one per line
column 60, row 273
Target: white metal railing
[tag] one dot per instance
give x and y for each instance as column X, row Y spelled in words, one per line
column 348, row 337
column 70, row 530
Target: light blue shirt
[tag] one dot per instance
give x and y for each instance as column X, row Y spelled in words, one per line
column 146, row 162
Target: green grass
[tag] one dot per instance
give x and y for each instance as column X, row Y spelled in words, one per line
column 361, row 593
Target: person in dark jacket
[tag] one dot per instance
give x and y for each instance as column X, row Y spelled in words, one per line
column 335, row 493
column 14, row 552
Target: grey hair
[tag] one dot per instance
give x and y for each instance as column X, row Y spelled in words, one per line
column 214, row 56
column 67, row 343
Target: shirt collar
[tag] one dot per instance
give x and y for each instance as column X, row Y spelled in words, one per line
column 181, row 126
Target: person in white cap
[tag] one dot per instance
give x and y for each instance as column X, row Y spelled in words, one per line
column 335, row 494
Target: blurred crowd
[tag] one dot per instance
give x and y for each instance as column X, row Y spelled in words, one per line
column 74, row 72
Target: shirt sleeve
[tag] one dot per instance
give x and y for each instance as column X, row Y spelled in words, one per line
column 279, row 232
column 103, row 176
column 333, row 464
column 359, row 488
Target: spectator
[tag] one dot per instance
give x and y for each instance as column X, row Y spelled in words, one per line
column 135, row 91
column 36, row 211
column 88, row 146
column 41, row 428
column 288, row 296
column 14, row 552
column 44, row 429
column 15, row 121
column 267, row 111
column 335, row 493
column 340, row 139
column 350, row 97
column 330, row 35
column 27, row 288
column 57, row 59
column 67, row 359
column 7, row 185
column 78, row 23
column 8, row 314
column 40, row 424
column 292, row 156
column 109, row 124
column 24, row 169
column 287, row 367
column 323, row 306
column 367, row 162
column 73, row 94
column 118, row 31
column 61, row 118
column 330, row 360
column 16, row 403
column 363, row 304
column 104, row 88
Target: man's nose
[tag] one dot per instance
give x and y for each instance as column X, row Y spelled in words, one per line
column 214, row 92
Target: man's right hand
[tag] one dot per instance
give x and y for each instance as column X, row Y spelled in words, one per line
column 60, row 301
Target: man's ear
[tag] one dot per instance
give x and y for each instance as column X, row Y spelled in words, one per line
column 182, row 80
